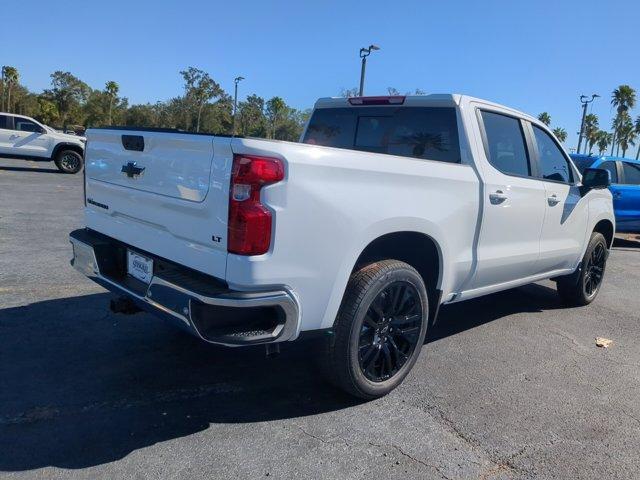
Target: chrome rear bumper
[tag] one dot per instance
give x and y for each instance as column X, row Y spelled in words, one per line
column 196, row 304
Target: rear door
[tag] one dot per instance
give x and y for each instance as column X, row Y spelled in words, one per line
column 628, row 198
column 509, row 243
column 567, row 212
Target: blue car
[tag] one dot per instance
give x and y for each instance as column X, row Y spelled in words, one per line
column 625, row 187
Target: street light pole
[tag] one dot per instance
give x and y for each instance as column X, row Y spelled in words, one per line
column 235, row 101
column 585, row 103
column 364, row 53
column 3, row 89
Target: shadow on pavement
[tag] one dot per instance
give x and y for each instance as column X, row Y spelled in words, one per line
column 458, row 317
column 81, row 387
column 626, row 243
column 29, row 169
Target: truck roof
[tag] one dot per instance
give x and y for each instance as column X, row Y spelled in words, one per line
column 433, row 99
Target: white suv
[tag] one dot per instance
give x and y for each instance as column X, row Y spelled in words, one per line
column 24, row 137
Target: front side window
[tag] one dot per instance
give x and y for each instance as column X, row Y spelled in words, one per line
column 553, row 164
column 430, row 133
column 4, row 122
column 505, row 144
column 25, row 125
column 611, row 168
column 631, row 173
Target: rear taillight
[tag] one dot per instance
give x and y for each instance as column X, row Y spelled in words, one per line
column 250, row 220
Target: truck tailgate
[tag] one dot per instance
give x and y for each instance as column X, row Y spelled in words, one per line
column 166, row 193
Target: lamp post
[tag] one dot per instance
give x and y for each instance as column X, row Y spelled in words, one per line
column 584, row 100
column 364, row 53
column 235, row 100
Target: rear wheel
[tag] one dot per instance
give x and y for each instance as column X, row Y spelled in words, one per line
column 68, row 161
column 379, row 330
column 582, row 287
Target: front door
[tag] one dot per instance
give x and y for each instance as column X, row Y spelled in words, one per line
column 567, row 212
column 514, row 204
column 30, row 139
column 627, row 199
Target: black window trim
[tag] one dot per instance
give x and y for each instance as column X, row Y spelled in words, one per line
column 537, row 156
column 620, row 170
column 526, row 135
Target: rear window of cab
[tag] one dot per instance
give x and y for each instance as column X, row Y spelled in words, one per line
column 430, row 133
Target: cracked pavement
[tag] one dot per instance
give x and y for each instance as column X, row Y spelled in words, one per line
column 509, row 386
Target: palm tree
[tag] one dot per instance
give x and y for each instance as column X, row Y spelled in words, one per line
column 11, row 76
column 560, row 133
column 626, row 133
column 623, row 99
column 545, row 118
column 111, row 88
column 591, row 129
column 604, row 139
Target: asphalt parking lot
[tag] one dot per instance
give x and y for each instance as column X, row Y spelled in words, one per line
column 507, row 386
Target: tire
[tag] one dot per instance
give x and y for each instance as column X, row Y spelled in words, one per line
column 68, row 161
column 368, row 356
column 582, row 287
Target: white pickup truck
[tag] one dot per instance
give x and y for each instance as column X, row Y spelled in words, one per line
column 386, row 209
column 26, row 138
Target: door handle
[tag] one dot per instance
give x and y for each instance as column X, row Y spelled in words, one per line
column 497, row 197
column 617, row 194
column 553, row 200
column 14, row 136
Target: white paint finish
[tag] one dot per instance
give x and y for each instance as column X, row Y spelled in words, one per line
column 334, row 202
column 565, row 227
column 175, row 165
column 33, row 144
column 176, row 228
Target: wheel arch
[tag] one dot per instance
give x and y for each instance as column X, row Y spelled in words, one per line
column 66, row 146
column 606, row 228
column 417, row 249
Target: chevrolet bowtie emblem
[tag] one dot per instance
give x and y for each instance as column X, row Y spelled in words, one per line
column 130, row 170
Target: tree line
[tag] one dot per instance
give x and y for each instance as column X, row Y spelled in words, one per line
column 624, row 132
column 204, row 106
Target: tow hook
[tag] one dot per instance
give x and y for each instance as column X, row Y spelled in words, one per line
column 272, row 350
column 123, row 305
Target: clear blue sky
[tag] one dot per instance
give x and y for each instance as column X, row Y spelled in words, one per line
column 533, row 55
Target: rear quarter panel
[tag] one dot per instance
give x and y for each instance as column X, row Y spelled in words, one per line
column 334, row 202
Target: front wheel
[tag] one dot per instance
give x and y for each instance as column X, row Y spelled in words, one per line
column 582, row 287
column 379, row 330
column 68, row 161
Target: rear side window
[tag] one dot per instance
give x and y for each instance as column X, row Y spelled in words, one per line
column 420, row 132
column 631, row 173
column 4, row 122
column 505, row 144
column 611, row 168
column 553, row 164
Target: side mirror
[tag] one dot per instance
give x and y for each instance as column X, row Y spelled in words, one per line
column 596, row 178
